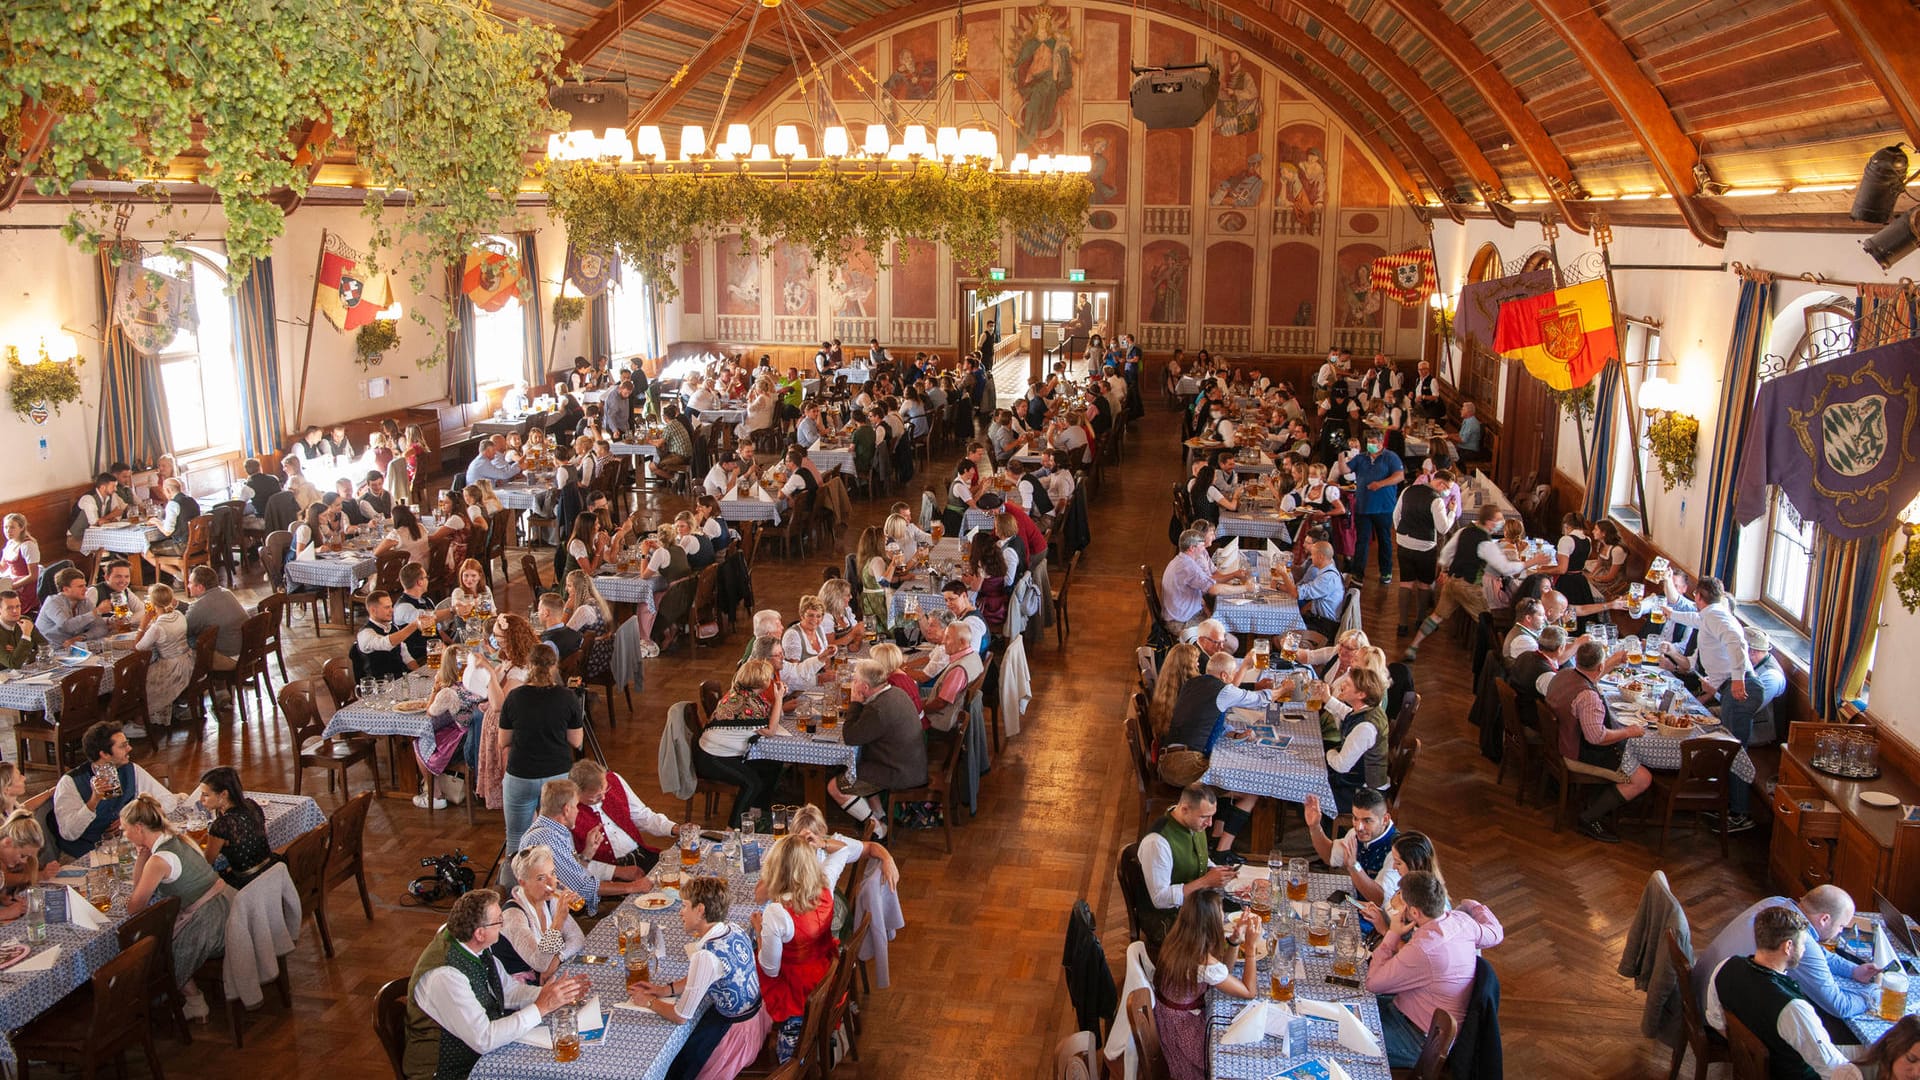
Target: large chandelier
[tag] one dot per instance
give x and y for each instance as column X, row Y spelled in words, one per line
column 733, row 148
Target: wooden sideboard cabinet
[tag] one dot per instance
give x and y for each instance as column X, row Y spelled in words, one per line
column 1822, row 832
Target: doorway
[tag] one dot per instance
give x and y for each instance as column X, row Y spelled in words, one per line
column 1048, row 320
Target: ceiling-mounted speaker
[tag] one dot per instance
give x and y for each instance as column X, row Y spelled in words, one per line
column 593, row 106
column 1898, row 240
column 1174, row 97
column 1880, row 185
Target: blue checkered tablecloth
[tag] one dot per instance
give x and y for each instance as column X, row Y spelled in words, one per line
column 1260, row 525
column 376, row 715
column 638, row 1044
column 536, row 496
column 750, row 510
column 289, row 817
column 1868, row 1024
column 976, row 519
column 821, row 748
column 120, row 539
column 1653, row 750
column 1261, row 1060
column 41, row 693
column 1264, row 613
column 732, row 415
column 855, row 374
column 335, row 571
column 1289, row 774
column 631, row 449
column 627, row 588
column 827, row 459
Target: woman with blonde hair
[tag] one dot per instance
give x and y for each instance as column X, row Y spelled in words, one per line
column 903, row 530
column 13, row 788
column 512, row 640
column 880, row 574
column 1182, row 662
column 1346, row 651
column 20, row 561
column 892, row 659
column 167, row 864
column 537, row 931
column 809, row 636
column 836, row 852
column 796, row 937
column 163, row 632
column 750, row 707
column 488, row 498
column 21, row 842
column 842, row 623
column 586, row 608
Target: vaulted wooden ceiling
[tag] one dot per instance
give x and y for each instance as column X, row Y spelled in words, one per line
column 1650, row 110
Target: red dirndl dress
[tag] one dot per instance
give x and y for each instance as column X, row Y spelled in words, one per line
column 803, row 961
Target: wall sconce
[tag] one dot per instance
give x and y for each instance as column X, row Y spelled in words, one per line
column 1658, row 395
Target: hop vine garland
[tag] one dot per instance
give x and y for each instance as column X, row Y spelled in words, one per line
column 28, row 385
column 375, row 339
column 832, row 214
column 568, row 310
column 1907, row 578
column 1675, row 440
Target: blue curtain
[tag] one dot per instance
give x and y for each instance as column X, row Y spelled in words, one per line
column 1752, row 323
column 257, row 345
column 133, row 416
column 463, row 385
column 1851, row 577
column 600, row 325
column 1606, row 407
column 533, row 320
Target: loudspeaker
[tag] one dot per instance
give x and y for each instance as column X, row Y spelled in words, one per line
column 593, row 106
column 1164, row 98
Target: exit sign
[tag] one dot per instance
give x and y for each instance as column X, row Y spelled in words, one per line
column 997, row 273
column 1076, row 275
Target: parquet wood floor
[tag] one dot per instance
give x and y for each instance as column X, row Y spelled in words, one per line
column 977, row 991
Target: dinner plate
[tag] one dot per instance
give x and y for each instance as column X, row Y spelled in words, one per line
column 1879, row 798
column 416, row 705
column 13, row 952
column 657, row 901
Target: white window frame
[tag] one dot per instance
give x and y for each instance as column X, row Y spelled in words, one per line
column 494, row 362
column 217, row 395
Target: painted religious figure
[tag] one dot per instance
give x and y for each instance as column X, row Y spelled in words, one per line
column 1105, row 170
column 1238, row 110
column 1167, row 286
column 1360, row 305
column 1040, row 63
column 1242, row 188
column 913, row 77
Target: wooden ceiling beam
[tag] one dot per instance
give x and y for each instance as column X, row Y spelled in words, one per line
column 722, row 50
column 1886, row 35
column 1529, row 134
column 1388, row 61
column 604, row 30
column 1617, row 73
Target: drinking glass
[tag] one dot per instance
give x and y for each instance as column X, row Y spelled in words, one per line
column 366, row 687
column 1346, row 951
column 779, row 820
column 1316, row 695
column 1893, row 995
column 1281, row 955
column 639, row 957
column 1297, row 879
column 689, row 845
column 750, row 820
column 566, row 1035
column 1320, row 924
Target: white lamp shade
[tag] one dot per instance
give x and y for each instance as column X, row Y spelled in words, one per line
column 556, row 146
column 693, row 142
column 786, row 140
column 761, row 153
column 1019, row 164
column 739, row 139
column 916, row 141
column 946, row 142
column 1042, row 164
column 648, row 144
column 1656, row 394
column 615, row 145
column 878, row 142
column 833, row 143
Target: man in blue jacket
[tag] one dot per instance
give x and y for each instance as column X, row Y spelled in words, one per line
column 1377, row 473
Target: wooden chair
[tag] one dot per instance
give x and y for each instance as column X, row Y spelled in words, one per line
column 250, row 667
column 839, row 987
column 1403, row 720
column 346, row 860
column 1146, row 1037
column 337, row 674
column 1134, row 896
column 439, row 576
column 316, row 750
column 796, row 528
column 273, row 557
column 390, row 1023
column 200, row 683
column 706, row 606
column 676, row 613
column 276, row 603
column 530, row 573
column 1432, row 1061
column 198, row 551
column 1062, row 624
column 306, row 859
column 95, row 1025
column 1704, row 783
column 156, row 921
column 79, row 709
column 1519, row 744
column 500, row 532
column 1570, row 774
column 596, row 670
column 941, row 775
column 1707, row 1044
column 695, row 717
column 386, row 578
column 1152, row 788
column 1748, row 1054
column 230, row 543
column 129, row 702
column 1399, row 767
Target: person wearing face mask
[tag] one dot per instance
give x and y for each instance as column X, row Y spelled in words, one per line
column 1465, row 558
column 1377, row 474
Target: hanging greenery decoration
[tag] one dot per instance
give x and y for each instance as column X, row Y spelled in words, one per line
column 437, row 100
column 46, row 381
column 651, row 217
column 568, row 310
column 375, row 340
column 1577, row 402
column 1907, row 578
column 1675, row 440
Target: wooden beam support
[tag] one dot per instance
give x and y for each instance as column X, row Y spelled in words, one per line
column 1457, row 46
column 310, row 153
column 602, row 31
column 1886, row 35
column 1617, row 73
column 36, row 127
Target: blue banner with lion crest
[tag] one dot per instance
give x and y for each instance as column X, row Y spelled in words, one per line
column 1840, row 439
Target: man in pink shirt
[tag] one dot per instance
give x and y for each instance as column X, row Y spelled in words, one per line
column 1425, row 962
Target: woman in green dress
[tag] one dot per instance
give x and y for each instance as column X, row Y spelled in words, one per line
column 169, row 864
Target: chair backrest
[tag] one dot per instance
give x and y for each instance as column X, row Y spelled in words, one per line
column 390, row 1023
column 1146, row 1037
column 498, row 532
column 1433, row 1053
column 203, row 645
column 154, row 921
column 1510, row 729
column 1403, row 720
column 337, row 673
column 710, row 692
column 1399, row 767
column 1750, row 1058
column 530, row 570
column 1706, row 768
column 386, row 570
column 80, row 696
column 1133, row 890
column 120, row 991
column 1142, row 764
column 298, row 706
column 1350, row 611
column 1149, row 664
column 346, row 840
column 1066, row 579
column 130, row 688
column 1083, row 948
column 199, row 536
column 1153, row 596
column 255, row 635
column 1683, row 968
column 273, row 557
column 307, row 865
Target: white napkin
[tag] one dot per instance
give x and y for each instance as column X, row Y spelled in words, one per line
column 81, row 912
column 1334, row 1071
column 1883, row 955
column 1257, row 1021
column 586, row 1021
column 631, row 1007
column 1353, row 1034
column 40, row 961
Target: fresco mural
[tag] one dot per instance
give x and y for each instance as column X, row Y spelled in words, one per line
column 853, row 287
column 739, row 277
column 983, row 57
column 1300, row 172
column 915, row 278
column 1108, row 76
column 1166, row 266
column 1361, row 185
column 1168, row 45
column 792, row 280
column 1293, row 285
column 1353, row 296
column 1041, row 63
column 1238, row 110
column 1229, row 291
column 1106, row 144
column 1170, row 181
column 690, row 292
column 1103, row 260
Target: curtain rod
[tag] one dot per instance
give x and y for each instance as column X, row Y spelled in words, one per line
column 1815, row 278
column 1716, row 267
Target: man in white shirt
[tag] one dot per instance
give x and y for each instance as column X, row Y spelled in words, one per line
column 462, row 988
column 610, row 822
column 794, row 674
column 1466, row 557
column 1173, row 876
column 1420, row 521
column 726, row 472
column 1758, row 991
column 1529, row 618
column 83, row 816
column 1059, row 481
column 1365, row 851
column 382, row 644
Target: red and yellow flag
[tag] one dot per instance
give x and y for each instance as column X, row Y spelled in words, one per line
column 1564, row 337
column 349, row 296
column 490, row 278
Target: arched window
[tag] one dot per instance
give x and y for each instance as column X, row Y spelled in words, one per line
column 631, row 312
column 1812, row 329
column 500, row 338
column 199, row 374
